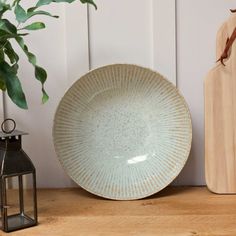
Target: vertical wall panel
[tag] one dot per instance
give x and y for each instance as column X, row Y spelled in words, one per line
column 198, row 22
column 76, row 37
column 121, row 32
column 164, row 38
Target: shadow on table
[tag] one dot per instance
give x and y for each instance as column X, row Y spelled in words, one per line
column 166, row 192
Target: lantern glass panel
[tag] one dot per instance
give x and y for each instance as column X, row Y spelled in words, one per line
column 19, row 205
column 28, row 196
column 12, row 196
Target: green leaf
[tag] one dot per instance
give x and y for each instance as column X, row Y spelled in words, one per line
column 5, row 36
column 22, row 16
column 20, row 13
column 31, row 9
column 7, row 26
column 68, row 1
column 45, row 96
column 43, row 2
column 21, row 34
column 7, row 30
column 34, row 13
column 35, row 26
column 89, row 2
column 15, row 2
column 2, row 84
column 15, row 67
column 46, row 2
column 10, row 52
column 1, row 54
column 31, row 56
column 13, row 85
column 40, row 73
column 4, row 7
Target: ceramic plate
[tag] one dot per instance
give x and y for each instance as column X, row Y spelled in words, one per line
column 122, row 132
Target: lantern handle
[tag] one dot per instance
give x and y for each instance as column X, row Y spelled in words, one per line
column 10, row 131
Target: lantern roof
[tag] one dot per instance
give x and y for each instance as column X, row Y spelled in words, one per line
column 13, row 160
column 14, row 133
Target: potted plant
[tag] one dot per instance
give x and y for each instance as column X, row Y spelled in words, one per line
column 17, row 31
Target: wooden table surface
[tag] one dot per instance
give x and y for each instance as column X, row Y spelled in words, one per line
column 174, row 211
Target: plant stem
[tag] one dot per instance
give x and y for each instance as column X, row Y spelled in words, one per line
column 3, row 45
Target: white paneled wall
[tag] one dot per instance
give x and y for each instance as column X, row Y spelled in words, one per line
column 76, row 44
column 164, row 38
column 124, row 31
column 134, row 32
column 197, row 24
column 119, row 34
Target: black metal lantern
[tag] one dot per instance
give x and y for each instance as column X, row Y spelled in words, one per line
column 15, row 164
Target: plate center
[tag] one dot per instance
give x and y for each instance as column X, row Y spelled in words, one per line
column 118, row 127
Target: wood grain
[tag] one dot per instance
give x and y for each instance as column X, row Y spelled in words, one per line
column 220, row 118
column 174, row 211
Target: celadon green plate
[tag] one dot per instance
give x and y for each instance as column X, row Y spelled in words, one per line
column 122, row 132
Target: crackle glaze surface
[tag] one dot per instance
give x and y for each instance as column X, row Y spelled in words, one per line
column 122, row 132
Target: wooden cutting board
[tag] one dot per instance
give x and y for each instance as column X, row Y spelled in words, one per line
column 220, row 118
